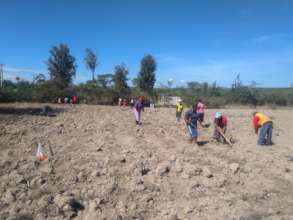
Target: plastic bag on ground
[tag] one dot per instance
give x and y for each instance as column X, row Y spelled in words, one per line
column 41, row 156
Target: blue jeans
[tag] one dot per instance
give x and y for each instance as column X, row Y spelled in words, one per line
column 265, row 135
column 192, row 131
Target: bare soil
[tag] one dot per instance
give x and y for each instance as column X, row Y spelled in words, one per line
column 106, row 167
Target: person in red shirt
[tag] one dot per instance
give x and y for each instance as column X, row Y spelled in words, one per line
column 125, row 103
column 74, row 99
column 221, row 123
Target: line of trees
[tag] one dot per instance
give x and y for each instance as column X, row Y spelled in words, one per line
column 107, row 88
column 238, row 94
column 62, row 68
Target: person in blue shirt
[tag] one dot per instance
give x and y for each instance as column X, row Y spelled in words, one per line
column 191, row 118
column 137, row 108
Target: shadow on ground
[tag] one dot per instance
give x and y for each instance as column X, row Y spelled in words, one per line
column 44, row 111
column 202, row 143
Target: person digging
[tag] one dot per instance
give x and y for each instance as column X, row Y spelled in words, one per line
column 191, row 118
column 220, row 122
column 266, row 128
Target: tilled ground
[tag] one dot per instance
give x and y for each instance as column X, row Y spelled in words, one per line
column 105, row 167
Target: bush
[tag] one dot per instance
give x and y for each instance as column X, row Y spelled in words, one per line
column 215, row 102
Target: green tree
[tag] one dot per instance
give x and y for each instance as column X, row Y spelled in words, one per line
column 134, row 82
column 215, row 90
column 91, row 61
column 237, row 90
column 120, row 80
column 170, row 83
column 237, row 83
column 61, row 65
column 193, row 85
column 147, row 75
column 9, row 84
column 105, row 80
column 205, row 88
column 39, row 79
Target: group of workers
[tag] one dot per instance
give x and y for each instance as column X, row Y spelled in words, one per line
column 196, row 115
column 262, row 124
column 124, row 102
column 68, row 100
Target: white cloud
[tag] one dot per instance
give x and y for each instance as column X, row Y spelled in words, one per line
column 262, row 38
column 165, row 59
column 10, row 73
column 272, row 38
column 81, row 78
column 10, row 76
column 17, row 70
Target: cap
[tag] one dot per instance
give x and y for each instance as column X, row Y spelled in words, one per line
column 218, row 115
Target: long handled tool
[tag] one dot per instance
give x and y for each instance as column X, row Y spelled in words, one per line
column 226, row 139
column 192, row 125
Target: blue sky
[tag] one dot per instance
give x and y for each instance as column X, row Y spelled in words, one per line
column 192, row 40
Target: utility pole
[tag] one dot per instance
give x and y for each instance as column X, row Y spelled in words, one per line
column 1, row 75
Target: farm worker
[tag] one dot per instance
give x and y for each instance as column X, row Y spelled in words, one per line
column 191, row 119
column 138, row 106
column 119, row 101
column 221, row 123
column 179, row 109
column 125, row 102
column 266, row 124
column 200, row 107
column 152, row 106
column 66, row 100
column 74, row 99
column 131, row 102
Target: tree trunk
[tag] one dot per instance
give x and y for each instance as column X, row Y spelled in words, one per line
column 93, row 75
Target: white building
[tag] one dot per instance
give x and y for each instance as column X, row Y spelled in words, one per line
column 169, row 100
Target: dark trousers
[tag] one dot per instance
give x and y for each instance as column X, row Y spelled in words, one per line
column 265, row 134
column 200, row 117
column 217, row 134
column 178, row 115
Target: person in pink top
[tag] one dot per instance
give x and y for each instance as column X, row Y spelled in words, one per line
column 200, row 107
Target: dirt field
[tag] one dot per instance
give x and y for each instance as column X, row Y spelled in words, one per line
column 105, row 167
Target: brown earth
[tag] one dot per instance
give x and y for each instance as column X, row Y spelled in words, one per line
column 105, row 167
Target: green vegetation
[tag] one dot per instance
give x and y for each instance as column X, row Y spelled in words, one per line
column 147, row 77
column 120, row 81
column 91, row 61
column 61, row 66
column 107, row 88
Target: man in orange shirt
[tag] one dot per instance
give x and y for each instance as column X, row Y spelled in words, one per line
column 266, row 128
